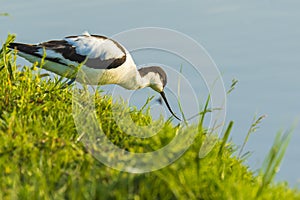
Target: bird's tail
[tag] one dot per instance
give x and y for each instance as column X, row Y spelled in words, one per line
column 25, row 48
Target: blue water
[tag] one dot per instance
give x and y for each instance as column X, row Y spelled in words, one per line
column 256, row 42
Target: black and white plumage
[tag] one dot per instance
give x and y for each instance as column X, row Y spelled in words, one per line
column 104, row 61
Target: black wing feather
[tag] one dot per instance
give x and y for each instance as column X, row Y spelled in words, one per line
column 68, row 52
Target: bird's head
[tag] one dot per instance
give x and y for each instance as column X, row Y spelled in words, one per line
column 156, row 78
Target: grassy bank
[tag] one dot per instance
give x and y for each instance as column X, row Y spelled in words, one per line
column 41, row 158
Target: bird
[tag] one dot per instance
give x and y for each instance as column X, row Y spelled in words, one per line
column 103, row 61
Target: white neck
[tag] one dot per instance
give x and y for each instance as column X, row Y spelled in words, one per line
column 132, row 79
column 138, row 82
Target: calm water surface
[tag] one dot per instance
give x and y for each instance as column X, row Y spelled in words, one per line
column 256, row 42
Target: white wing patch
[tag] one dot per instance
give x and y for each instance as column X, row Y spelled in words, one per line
column 96, row 47
column 54, row 55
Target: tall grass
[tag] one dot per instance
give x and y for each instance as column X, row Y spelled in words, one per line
column 272, row 162
column 254, row 126
column 41, row 156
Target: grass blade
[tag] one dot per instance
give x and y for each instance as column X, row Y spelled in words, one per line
column 272, row 162
column 225, row 137
column 254, row 126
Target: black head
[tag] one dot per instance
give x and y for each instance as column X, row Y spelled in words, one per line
column 157, row 77
column 157, row 81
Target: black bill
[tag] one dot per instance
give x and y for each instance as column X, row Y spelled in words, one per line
column 166, row 101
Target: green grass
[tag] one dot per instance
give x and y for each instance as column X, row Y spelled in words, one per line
column 41, row 157
column 4, row 14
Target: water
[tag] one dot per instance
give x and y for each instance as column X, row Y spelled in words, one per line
column 255, row 42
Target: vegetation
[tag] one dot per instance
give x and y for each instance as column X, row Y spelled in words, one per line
column 41, row 156
column 4, row 14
